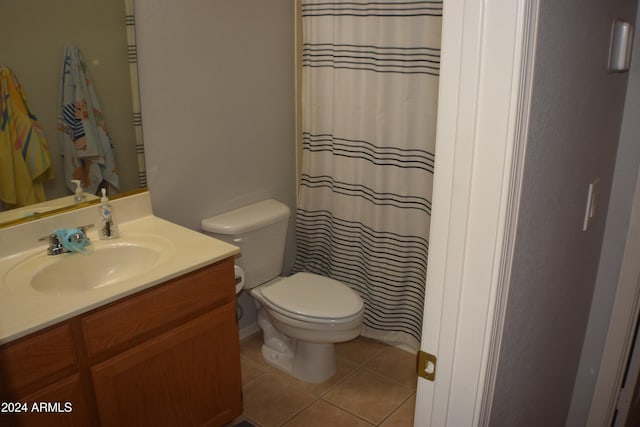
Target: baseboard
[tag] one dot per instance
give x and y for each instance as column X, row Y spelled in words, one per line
column 248, row 330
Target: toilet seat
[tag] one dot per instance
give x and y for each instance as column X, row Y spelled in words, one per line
column 312, row 298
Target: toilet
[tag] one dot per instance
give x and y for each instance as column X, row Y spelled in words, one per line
column 302, row 316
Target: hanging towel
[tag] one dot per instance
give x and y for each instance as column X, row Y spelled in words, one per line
column 84, row 140
column 25, row 161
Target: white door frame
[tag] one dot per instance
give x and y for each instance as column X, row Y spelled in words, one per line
column 483, row 110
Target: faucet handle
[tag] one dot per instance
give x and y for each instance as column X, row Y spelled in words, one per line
column 55, row 247
column 47, row 237
column 52, row 236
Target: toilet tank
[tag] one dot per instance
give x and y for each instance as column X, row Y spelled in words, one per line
column 260, row 231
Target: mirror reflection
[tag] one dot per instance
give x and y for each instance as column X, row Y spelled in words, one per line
column 70, row 107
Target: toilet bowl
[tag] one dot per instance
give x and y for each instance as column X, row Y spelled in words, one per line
column 301, row 316
column 311, row 307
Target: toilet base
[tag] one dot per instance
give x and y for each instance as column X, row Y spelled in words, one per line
column 309, row 362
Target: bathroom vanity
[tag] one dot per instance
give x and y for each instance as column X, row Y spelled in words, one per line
column 148, row 351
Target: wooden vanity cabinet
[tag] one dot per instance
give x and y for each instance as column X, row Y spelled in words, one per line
column 169, row 356
column 38, row 376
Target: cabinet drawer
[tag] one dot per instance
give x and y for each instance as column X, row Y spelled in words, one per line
column 32, row 359
column 150, row 312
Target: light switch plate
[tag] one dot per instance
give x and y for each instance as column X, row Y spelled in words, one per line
column 593, row 197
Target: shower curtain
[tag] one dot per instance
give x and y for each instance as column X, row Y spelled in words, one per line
column 369, row 97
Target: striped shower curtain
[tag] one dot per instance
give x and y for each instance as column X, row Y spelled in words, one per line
column 369, row 97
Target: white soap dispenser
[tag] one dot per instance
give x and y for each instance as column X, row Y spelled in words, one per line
column 108, row 228
column 79, row 196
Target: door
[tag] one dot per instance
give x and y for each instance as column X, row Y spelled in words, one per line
column 485, row 78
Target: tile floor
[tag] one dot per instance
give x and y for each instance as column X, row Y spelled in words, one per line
column 375, row 385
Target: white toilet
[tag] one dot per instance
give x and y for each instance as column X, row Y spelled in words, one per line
column 302, row 315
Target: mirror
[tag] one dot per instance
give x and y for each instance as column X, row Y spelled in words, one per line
column 35, row 33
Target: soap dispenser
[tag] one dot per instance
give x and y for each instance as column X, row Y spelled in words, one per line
column 80, row 196
column 108, row 228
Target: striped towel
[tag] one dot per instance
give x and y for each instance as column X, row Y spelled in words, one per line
column 84, row 140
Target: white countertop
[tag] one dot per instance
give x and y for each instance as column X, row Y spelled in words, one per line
column 24, row 310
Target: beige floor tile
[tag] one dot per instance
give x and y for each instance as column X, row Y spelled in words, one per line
column 323, row 414
column 352, row 396
column 368, row 395
column 270, row 401
column 344, row 368
column 251, row 370
column 359, row 350
column 253, row 365
column 403, row 416
column 395, row 364
column 251, row 348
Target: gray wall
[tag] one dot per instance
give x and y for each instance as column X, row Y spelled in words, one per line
column 217, row 89
column 575, row 122
column 624, row 182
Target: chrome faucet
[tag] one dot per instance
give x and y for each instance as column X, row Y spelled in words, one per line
column 58, row 246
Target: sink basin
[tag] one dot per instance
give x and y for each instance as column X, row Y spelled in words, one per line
column 110, row 262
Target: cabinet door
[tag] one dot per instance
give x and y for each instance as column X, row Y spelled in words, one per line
column 188, row 376
column 62, row 403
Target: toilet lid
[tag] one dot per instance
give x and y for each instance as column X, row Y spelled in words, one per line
column 315, row 296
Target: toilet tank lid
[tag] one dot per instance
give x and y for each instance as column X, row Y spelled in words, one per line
column 247, row 218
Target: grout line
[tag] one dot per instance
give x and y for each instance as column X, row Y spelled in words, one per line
column 363, row 367
column 347, row 411
column 342, row 381
column 393, row 380
column 298, row 413
column 413, row 395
